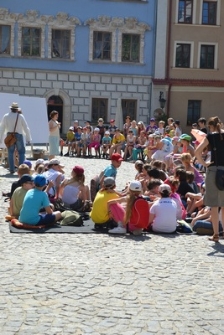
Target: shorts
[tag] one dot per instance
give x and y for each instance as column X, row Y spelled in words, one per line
column 46, row 219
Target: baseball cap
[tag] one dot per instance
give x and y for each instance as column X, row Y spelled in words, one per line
column 78, row 170
column 55, row 162
column 116, row 157
column 152, row 119
column 109, row 182
column 39, row 161
column 26, row 178
column 76, row 121
column 107, row 132
column 164, row 187
column 40, row 180
column 135, row 185
column 27, row 162
column 71, row 128
column 100, row 119
column 112, row 120
column 185, row 137
column 96, row 129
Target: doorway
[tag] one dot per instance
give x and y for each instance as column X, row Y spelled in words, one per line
column 56, row 103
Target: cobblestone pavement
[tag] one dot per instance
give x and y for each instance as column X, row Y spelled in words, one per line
column 99, row 284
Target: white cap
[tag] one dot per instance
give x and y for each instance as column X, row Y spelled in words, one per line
column 135, row 185
column 39, row 161
column 96, row 129
column 164, row 187
column 71, row 128
column 107, row 132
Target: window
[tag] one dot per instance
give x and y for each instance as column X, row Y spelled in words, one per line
column 130, row 48
column 99, row 109
column 60, row 47
column 129, row 107
column 183, row 55
column 5, row 32
column 31, row 41
column 101, row 45
column 207, row 57
column 209, row 11
column 193, row 111
column 185, row 11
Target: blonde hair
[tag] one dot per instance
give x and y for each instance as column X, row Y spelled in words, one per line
column 130, row 202
column 23, row 169
column 186, row 157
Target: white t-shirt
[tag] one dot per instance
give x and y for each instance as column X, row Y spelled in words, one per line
column 52, row 175
column 165, row 211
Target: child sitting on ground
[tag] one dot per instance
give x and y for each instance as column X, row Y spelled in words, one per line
column 22, row 169
column 34, row 200
column 152, row 191
column 139, row 167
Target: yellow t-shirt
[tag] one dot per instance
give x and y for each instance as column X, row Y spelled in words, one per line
column 70, row 136
column 118, row 139
column 99, row 213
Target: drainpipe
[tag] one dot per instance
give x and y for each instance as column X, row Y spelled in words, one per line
column 169, row 28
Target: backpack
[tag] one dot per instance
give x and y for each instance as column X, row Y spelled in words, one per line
column 140, row 213
column 71, row 218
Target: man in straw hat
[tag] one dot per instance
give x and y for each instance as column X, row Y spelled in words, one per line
column 8, row 123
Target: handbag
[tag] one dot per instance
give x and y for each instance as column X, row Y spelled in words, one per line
column 219, row 175
column 11, row 138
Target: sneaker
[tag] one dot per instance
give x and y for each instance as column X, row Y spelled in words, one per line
column 118, row 230
column 137, row 232
column 66, row 154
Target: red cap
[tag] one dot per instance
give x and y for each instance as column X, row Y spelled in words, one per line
column 78, row 170
column 111, row 121
column 116, row 157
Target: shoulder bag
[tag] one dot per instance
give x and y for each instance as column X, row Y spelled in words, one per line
column 11, row 138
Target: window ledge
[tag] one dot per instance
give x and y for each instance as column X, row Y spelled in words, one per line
column 192, row 69
column 115, row 63
column 197, row 25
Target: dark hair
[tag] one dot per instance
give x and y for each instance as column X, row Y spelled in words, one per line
column 156, row 164
column 162, row 175
column 190, row 176
column 153, row 183
column 53, row 113
column 181, row 174
column 177, row 122
column 216, row 123
column 165, row 194
column 154, row 173
column 202, row 120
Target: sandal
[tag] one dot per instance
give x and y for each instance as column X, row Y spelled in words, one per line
column 214, row 238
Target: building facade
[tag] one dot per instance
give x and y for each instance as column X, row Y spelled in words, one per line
column 83, row 56
column 193, row 82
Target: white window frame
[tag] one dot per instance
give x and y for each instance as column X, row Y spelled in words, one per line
column 102, row 24
column 133, row 27
column 191, row 55
column 215, row 57
column 217, row 14
column 193, row 14
column 7, row 19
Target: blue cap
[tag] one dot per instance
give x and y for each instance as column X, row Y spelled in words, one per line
column 40, row 180
column 27, row 162
column 25, row 178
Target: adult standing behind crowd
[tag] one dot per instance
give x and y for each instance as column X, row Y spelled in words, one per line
column 213, row 198
column 54, row 136
column 8, row 123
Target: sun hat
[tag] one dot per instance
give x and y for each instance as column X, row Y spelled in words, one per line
column 55, row 162
column 185, row 137
column 164, row 187
column 109, row 182
column 116, row 157
column 135, row 185
column 14, row 105
column 27, row 162
column 40, row 180
column 78, row 170
column 26, row 178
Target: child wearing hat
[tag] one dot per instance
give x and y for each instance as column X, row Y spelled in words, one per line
column 34, row 200
column 106, row 143
column 16, row 202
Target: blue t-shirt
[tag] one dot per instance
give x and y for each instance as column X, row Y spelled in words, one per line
column 34, row 200
column 78, row 136
column 110, row 171
column 167, row 145
column 106, row 140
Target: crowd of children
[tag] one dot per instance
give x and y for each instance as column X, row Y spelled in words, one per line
column 168, row 188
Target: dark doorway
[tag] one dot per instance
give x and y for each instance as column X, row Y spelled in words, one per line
column 55, row 103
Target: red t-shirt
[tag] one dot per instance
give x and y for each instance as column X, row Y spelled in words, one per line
column 140, row 213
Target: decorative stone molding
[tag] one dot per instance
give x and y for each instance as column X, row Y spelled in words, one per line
column 9, row 19
column 105, row 24
column 63, row 21
column 32, row 20
column 132, row 26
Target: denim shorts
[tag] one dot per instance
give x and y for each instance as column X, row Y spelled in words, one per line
column 46, row 219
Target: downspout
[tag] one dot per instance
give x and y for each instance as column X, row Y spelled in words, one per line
column 169, row 28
